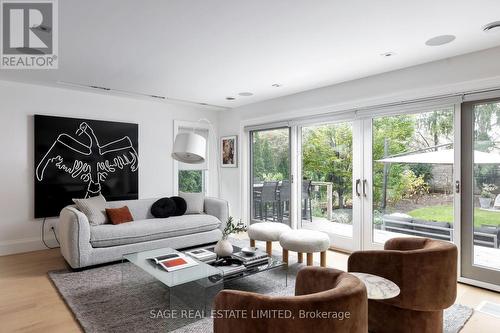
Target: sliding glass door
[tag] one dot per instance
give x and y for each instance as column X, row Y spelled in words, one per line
column 270, row 176
column 421, row 170
column 326, row 183
column 481, row 191
column 411, row 176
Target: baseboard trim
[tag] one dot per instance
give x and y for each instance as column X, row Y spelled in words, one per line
column 24, row 245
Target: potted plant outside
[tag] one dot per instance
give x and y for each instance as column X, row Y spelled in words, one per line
column 486, row 196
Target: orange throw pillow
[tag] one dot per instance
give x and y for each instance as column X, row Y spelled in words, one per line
column 119, row 215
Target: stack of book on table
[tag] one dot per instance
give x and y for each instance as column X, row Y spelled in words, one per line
column 173, row 261
column 231, row 268
column 204, row 255
column 259, row 258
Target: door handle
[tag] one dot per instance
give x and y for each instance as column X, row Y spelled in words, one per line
column 364, row 187
column 358, row 181
column 457, row 186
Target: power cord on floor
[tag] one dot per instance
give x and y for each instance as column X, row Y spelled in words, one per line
column 43, row 235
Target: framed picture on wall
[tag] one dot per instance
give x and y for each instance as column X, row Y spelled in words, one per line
column 229, row 151
column 82, row 158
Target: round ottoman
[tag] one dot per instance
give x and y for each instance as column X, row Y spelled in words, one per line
column 268, row 232
column 305, row 241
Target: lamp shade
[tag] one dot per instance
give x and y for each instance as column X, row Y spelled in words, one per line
column 189, row 148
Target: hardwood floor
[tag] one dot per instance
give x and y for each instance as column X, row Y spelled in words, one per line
column 30, row 303
column 28, row 300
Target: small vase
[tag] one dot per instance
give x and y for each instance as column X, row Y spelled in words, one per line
column 223, row 248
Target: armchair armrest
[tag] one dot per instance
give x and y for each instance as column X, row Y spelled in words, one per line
column 311, row 280
column 74, row 235
column 246, row 312
column 405, row 243
column 343, row 294
column 218, row 208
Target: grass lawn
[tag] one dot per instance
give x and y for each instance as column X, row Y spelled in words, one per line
column 444, row 213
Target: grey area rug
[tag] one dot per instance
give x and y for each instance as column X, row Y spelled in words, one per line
column 455, row 318
column 102, row 303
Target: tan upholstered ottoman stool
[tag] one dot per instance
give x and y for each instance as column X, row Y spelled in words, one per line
column 268, row 232
column 305, row 241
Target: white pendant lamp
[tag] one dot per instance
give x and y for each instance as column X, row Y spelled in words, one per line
column 190, row 148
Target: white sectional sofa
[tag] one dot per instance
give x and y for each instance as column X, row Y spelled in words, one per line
column 85, row 245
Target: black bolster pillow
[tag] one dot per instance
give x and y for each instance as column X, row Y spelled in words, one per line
column 181, row 206
column 164, row 207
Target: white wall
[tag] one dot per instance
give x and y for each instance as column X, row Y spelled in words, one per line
column 231, row 182
column 19, row 232
column 18, row 102
column 469, row 72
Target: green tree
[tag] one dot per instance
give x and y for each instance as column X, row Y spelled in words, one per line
column 435, row 128
column 327, row 156
column 191, row 181
column 485, row 117
column 486, row 124
column 270, row 154
column 398, row 131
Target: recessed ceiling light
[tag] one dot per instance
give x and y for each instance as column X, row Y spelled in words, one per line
column 387, row 54
column 245, row 94
column 491, row 27
column 230, row 98
column 276, row 85
column 440, row 40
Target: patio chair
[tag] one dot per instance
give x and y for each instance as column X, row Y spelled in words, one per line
column 257, row 193
column 284, row 200
column 268, row 196
column 306, row 197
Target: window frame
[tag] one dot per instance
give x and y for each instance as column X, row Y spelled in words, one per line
column 196, row 125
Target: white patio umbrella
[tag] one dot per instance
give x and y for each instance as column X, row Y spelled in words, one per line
column 445, row 156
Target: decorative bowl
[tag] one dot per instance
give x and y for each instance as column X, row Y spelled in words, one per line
column 249, row 251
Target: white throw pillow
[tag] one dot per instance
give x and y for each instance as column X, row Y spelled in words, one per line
column 194, row 202
column 94, row 208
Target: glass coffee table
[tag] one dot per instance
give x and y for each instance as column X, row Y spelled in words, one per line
column 190, row 291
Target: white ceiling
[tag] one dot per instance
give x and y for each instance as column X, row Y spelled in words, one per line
column 203, row 51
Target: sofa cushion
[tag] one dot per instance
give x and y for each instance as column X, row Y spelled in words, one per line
column 93, row 208
column 420, row 226
column 397, row 221
column 194, row 202
column 147, row 230
column 164, row 207
column 180, row 206
column 486, row 240
column 119, row 215
column 140, row 209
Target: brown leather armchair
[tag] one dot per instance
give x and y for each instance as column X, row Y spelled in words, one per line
column 318, row 292
column 426, row 272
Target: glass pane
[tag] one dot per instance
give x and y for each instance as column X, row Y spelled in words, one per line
column 271, row 175
column 413, row 175
column 486, row 176
column 191, row 181
column 327, row 178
